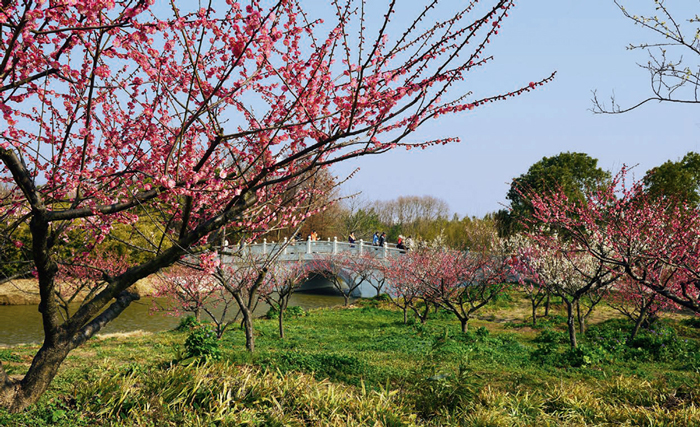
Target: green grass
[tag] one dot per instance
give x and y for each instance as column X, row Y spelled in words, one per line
column 360, row 365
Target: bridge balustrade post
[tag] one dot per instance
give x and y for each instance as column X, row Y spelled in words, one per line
column 308, row 245
column 362, row 244
column 264, row 246
column 335, row 245
column 385, row 250
column 284, row 251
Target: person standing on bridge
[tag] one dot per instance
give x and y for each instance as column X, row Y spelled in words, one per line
column 375, row 239
column 399, row 243
column 382, row 239
column 351, row 239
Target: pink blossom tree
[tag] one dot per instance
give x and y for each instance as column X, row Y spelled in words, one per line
column 332, row 268
column 363, row 268
column 188, row 288
column 198, row 118
column 460, row 282
column 638, row 303
column 279, row 285
column 194, row 289
column 654, row 241
column 242, row 279
column 379, row 278
column 405, row 289
column 525, row 265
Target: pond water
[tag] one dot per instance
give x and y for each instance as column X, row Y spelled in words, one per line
column 22, row 323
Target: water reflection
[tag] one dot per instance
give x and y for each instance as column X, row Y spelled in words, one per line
column 22, row 323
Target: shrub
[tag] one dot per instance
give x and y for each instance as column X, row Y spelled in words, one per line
column 582, row 355
column 272, row 313
column 693, row 322
column 545, row 353
column 547, row 343
column 661, row 343
column 375, row 301
column 290, row 312
column 658, row 343
column 548, row 336
column 295, row 311
column 202, row 343
column 611, row 335
column 443, row 393
column 442, row 314
column 187, row 323
column 381, row 297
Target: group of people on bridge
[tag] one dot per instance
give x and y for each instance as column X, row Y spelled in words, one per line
column 380, row 239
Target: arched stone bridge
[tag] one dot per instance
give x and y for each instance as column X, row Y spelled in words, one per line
column 308, row 251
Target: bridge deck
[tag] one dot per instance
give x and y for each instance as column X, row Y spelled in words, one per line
column 307, row 249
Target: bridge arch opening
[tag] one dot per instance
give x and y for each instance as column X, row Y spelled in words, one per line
column 317, row 284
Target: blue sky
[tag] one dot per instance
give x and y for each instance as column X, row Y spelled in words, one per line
column 585, row 42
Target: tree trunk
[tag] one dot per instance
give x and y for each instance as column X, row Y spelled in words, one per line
column 405, row 315
column 639, row 322
column 248, row 326
column 534, row 313
column 546, row 306
column 570, row 323
column 7, row 388
column 246, row 321
column 280, row 322
column 581, row 319
column 422, row 316
column 465, row 324
column 346, row 297
column 17, row 396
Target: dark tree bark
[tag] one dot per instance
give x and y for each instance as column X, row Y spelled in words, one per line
column 283, row 308
column 570, row 322
column 639, row 322
column 464, row 322
column 534, row 313
column 580, row 318
column 246, row 322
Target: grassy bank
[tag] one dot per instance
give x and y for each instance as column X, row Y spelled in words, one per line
column 363, row 366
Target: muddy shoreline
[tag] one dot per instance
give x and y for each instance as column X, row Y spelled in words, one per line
column 26, row 291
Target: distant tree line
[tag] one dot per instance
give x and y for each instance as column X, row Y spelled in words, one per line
column 427, row 219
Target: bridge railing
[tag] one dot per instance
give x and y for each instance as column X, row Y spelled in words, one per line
column 287, row 249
